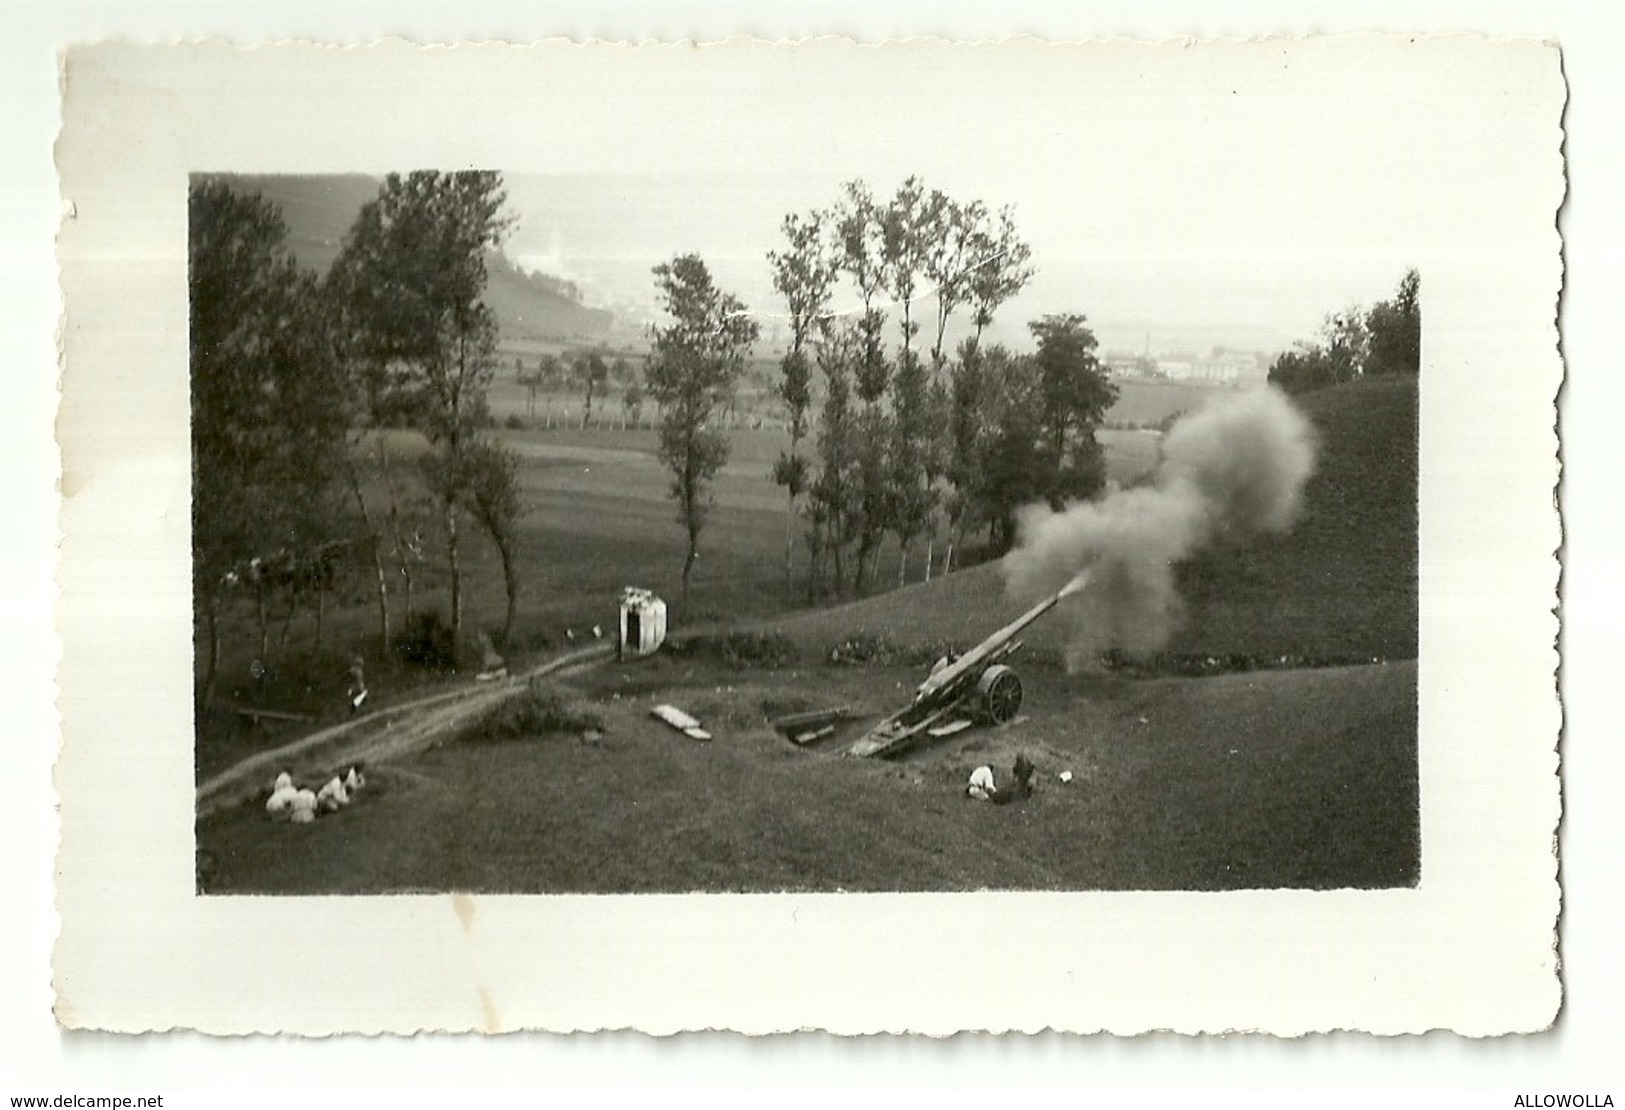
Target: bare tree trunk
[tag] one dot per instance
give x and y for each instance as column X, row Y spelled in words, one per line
column 259, row 609
column 948, row 558
column 321, row 611
column 212, row 671
column 287, row 623
column 510, row 580
column 902, row 566
column 790, row 548
column 450, row 506
column 377, row 558
column 930, row 543
column 688, row 566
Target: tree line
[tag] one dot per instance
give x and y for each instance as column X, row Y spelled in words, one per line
column 1383, row 339
column 890, row 431
column 298, row 381
column 302, row 385
column 891, row 434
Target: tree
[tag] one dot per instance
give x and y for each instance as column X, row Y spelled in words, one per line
column 913, row 492
column 267, row 435
column 860, row 233
column 1395, row 330
column 1346, row 342
column 967, row 405
column 895, row 404
column 632, row 402
column 1013, row 465
column 832, row 498
column 1073, row 394
column 550, row 369
column 1387, row 339
column 1302, row 369
column 804, row 274
column 949, row 261
column 592, row 372
column 413, row 269
column 999, row 267
column 493, row 487
column 694, row 364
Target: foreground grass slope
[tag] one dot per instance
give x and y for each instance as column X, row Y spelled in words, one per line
column 1290, row 779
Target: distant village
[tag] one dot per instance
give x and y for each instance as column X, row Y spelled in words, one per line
column 1219, row 366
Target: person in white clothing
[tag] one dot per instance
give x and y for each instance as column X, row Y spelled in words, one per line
column 981, row 785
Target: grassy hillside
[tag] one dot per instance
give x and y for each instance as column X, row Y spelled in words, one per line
column 1343, row 581
column 320, row 209
column 1293, row 779
column 1341, row 584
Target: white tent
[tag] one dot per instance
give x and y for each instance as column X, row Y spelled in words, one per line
column 643, row 622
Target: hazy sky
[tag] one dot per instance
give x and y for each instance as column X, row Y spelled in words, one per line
column 1142, row 244
column 1244, row 187
column 1256, row 185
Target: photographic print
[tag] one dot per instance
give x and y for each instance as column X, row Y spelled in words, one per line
column 959, row 492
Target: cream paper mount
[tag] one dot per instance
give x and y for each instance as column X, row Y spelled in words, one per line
column 1186, row 171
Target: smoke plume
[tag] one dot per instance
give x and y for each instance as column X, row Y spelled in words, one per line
column 1230, row 471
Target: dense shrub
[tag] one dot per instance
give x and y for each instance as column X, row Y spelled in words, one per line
column 873, row 650
column 514, row 422
column 427, row 642
column 767, row 650
column 1197, row 665
column 536, row 712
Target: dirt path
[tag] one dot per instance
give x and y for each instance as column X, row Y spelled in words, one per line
column 377, row 737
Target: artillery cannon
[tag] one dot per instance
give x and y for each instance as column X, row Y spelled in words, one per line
column 978, row 686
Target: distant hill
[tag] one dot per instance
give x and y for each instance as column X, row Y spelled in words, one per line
column 319, row 211
column 1342, row 583
column 528, row 307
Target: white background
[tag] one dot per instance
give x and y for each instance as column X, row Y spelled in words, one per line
column 1581, row 1054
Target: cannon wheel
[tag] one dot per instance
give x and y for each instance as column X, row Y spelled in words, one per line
column 1000, row 688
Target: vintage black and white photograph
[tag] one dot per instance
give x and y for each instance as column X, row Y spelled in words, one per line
column 828, row 472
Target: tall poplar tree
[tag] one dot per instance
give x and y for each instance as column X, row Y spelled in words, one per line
column 413, row 269
column 695, row 363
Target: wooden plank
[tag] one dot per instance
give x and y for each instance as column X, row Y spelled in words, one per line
column 796, row 723
column 258, row 715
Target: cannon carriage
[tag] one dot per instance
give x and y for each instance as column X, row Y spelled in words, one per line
column 978, row 687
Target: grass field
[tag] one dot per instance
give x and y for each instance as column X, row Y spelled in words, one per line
column 1295, row 779
column 598, row 518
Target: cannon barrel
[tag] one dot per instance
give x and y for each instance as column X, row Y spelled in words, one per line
column 971, row 663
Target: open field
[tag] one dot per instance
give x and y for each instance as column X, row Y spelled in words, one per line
column 598, row 518
column 1151, row 402
column 1138, row 403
